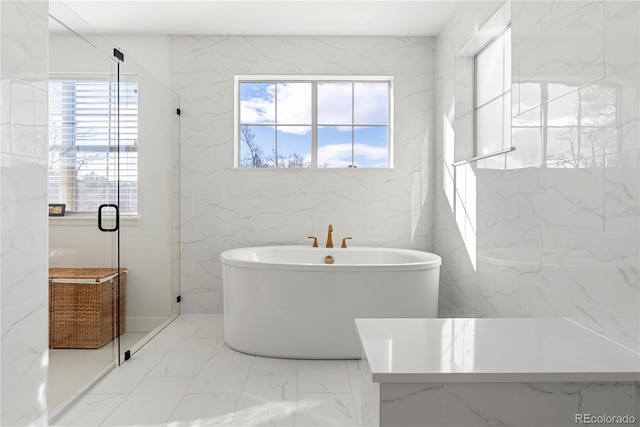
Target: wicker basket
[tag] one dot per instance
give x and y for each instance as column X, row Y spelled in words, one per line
column 82, row 306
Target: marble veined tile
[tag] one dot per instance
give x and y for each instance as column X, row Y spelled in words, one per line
column 622, row 35
column 519, row 404
column 189, row 328
column 22, row 103
column 24, row 40
column 323, row 376
column 225, row 372
column 563, row 197
column 22, row 334
column 398, row 403
column 333, row 409
column 90, row 410
column 188, row 358
column 127, row 377
column 573, row 37
column 595, row 267
column 608, row 287
column 274, row 366
column 152, row 402
column 572, row 247
column 207, row 410
column 622, row 193
column 356, row 391
column 267, row 401
column 623, row 330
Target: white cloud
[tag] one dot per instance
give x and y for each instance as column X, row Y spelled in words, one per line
column 371, row 103
column 259, row 110
column 294, row 103
column 294, row 107
column 339, row 155
column 334, row 104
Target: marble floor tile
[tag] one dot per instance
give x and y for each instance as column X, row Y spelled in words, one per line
column 274, row 366
column 323, row 376
column 151, row 403
column 326, row 409
column 186, row 377
column 125, row 378
column 206, row 410
column 90, row 410
column 188, row 359
column 225, row 372
column 72, row 369
column 267, row 401
column 356, row 391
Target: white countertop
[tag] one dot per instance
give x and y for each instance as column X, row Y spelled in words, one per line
column 492, row 350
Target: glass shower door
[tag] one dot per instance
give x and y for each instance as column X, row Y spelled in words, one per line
column 85, row 297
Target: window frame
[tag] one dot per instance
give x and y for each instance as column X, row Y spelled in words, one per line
column 111, row 148
column 506, row 113
column 314, row 80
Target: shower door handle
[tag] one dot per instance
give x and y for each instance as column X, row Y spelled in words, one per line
column 115, row 228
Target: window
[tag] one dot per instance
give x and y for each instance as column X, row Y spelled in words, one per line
column 313, row 123
column 83, row 154
column 493, row 95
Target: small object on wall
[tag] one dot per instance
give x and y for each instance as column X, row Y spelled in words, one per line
column 57, row 209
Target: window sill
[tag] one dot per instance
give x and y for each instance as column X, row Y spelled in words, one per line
column 315, row 169
column 89, row 220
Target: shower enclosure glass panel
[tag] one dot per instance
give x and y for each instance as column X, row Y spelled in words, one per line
column 138, row 115
column 149, row 242
column 84, row 286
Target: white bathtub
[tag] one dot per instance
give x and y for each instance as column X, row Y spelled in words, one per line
column 284, row 301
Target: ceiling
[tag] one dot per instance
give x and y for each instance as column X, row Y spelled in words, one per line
column 265, row 17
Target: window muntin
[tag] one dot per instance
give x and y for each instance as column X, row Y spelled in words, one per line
column 313, row 123
column 83, row 157
column 493, row 95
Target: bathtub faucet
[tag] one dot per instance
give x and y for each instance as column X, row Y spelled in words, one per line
column 329, row 237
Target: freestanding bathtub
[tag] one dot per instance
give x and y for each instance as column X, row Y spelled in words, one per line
column 284, row 301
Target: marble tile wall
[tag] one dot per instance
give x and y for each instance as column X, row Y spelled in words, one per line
column 512, row 404
column 557, row 222
column 23, row 207
column 223, row 207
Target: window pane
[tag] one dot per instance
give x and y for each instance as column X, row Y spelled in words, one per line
column 94, row 180
column 334, row 103
column 294, row 103
column 128, row 181
column 506, row 37
column 489, row 128
column 334, row 146
column 310, row 123
column 257, row 103
column 506, row 120
column 489, row 68
column 371, row 103
column 257, row 145
column 370, row 148
column 83, row 171
column 294, row 146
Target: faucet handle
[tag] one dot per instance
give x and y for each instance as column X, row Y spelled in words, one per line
column 315, row 241
column 344, row 242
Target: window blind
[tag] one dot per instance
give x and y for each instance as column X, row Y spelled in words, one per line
column 83, row 151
